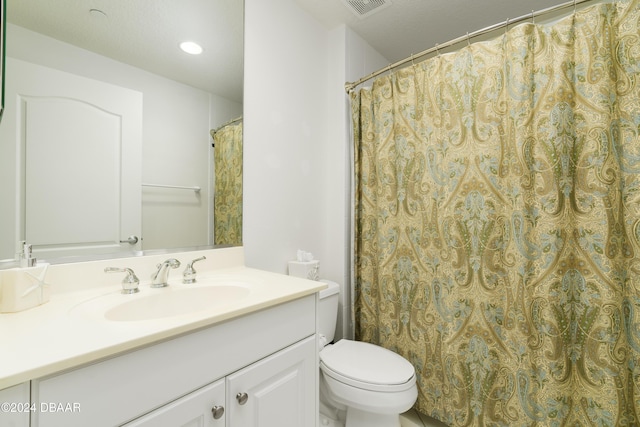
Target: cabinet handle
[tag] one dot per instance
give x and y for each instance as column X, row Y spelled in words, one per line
column 217, row 411
column 242, row 398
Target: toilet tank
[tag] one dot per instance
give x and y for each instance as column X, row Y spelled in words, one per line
column 328, row 310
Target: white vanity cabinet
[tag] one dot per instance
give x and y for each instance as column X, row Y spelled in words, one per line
column 278, row 391
column 269, row 354
column 15, row 406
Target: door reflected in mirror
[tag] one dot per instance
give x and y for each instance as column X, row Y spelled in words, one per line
column 123, row 47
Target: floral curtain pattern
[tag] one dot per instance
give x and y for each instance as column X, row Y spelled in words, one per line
column 497, row 231
column 227, row 199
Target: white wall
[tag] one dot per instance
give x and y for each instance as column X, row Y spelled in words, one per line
column 176, row 142
column 362, row 59
column 285, row 134
column 297, row 141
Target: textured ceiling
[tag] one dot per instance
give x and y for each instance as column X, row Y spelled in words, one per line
column 408, row 27
column 146, row 34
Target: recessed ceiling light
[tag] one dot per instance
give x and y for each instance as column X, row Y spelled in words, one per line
column 191, row 47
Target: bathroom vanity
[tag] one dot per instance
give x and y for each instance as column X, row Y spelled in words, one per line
column 251, row 361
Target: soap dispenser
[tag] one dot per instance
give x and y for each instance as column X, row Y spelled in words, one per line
column 24, row 287
column 26, row 256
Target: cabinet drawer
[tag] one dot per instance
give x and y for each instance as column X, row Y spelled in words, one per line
column 117, row 390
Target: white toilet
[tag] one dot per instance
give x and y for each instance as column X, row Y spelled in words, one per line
column 361, row 384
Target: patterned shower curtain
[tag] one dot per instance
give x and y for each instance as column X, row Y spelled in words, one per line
column 227, row 199
column 497, row 236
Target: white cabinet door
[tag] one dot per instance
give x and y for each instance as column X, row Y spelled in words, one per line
column 15, row 406
column 202, row 408
column 278, row 391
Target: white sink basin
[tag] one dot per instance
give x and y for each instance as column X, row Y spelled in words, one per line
column 161, row 303
column 175, row 303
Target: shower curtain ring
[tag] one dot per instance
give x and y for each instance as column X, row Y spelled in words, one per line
column 506, row 27
column 533, row 18
column 468, row 39
column 412, row 63
column 574, row 6
column 437, row 50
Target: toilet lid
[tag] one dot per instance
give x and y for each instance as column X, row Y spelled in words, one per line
column 366, row 363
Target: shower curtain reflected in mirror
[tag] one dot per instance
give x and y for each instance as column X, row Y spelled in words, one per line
column 227, row 199
column 497, row 230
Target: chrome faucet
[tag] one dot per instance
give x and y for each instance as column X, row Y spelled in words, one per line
column 162, row 274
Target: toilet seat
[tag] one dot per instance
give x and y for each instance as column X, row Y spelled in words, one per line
column 367, row 366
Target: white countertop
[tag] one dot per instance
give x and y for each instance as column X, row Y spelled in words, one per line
column 60, row 334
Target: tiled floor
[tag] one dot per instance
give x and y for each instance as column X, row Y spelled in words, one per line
column 414, row 419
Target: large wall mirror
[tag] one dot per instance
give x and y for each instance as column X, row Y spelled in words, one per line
column 107, row 140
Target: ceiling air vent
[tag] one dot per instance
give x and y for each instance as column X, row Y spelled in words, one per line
column 364, row 8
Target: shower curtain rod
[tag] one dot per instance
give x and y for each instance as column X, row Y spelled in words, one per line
column 237, row 119
column 350, row 86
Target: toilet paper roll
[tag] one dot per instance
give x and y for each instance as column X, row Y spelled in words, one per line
column 305, row 269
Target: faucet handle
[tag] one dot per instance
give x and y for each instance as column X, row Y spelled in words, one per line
column 129, row 283
column 189, row 275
